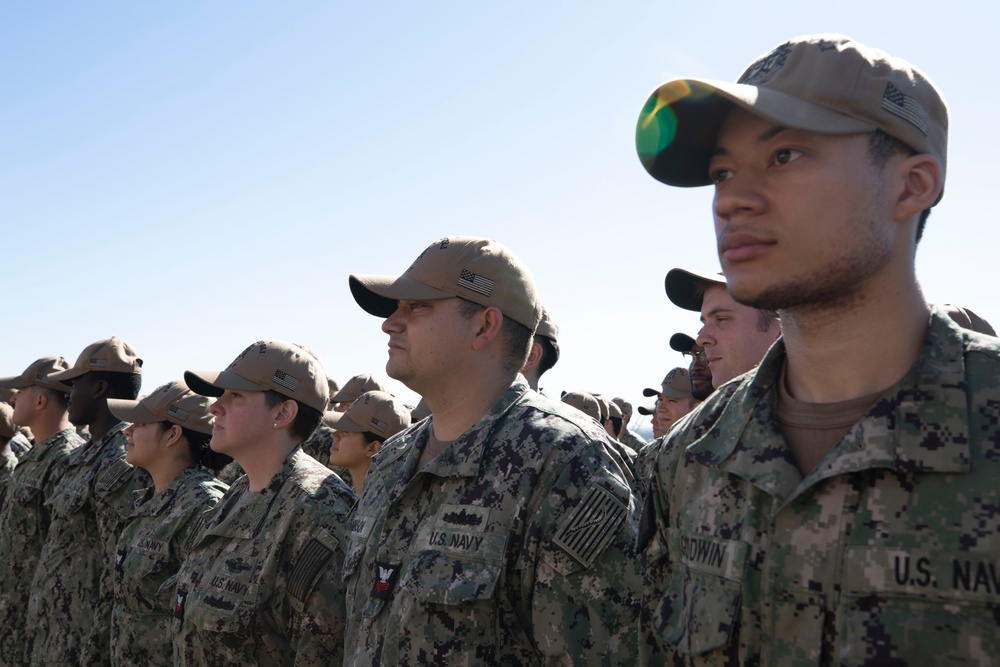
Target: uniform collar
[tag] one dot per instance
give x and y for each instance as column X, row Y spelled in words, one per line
column 918, row 425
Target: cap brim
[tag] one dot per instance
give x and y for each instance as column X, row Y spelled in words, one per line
column 132, row 411
column 678, row 127
column 68, row 374
column 340, row 422
column 213, row 383
column 377, row 295
column 13, row 383
column 681, row 342
column 648, row 391
column 643, row 410
column 685, row 289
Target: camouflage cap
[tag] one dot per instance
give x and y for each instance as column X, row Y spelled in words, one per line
column 8, row 429
column 112, row 355
column 681, row 342
column 268, row 364
column 376, row 412
column 686, row 289
column 584, row 402
column 356, row 386
column 477, row 269
column 39, row 374
column 173, row 402
column 829, row 84
column 676, row 384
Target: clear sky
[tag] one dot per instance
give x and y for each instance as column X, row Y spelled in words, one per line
column 192, row 177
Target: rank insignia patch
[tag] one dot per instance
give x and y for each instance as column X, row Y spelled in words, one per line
column 386, row 575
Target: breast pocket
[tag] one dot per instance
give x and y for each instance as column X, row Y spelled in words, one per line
column 226, row 599
column 442, row 579
column 27, row 495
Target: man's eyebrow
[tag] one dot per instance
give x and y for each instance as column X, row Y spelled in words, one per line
column 766, row 135
column 716, row 311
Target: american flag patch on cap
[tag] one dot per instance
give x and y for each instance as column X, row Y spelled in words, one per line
column 592, row 525
column 178, row 413
column 475, row 282
column 900, row 104
column 283, row 379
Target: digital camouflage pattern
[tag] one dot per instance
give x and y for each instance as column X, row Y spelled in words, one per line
column 645, row 461
column 318, row 447
column 515, row 545
column 631, row 440
column 71, row 593
column 20, row 445
column 24, row 523
column 887, row 553
column 150, row 551
column 7, row 463
column 261, row 584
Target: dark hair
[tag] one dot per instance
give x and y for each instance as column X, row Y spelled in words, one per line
column 198, row 445
column 765, row 318
column 306, row 420
column 371, row 437
column 120, row 385
column 516, row 336
column 616, row 425
column 550, row 353
column 881, row 147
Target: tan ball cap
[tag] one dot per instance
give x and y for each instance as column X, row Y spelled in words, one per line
column 39, row 374
column 268, row 364
column 173, row 402
column 584, row 402
column 356, row 386
column 829, row 84
column 375, row 411
column 479, row 270
column 676, row 384
column 110, row 354
column 8, row 429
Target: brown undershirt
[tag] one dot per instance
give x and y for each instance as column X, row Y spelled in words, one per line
column 812, row 430
column 432, row 448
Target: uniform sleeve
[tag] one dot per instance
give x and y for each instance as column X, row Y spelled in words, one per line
column 316, row 593
column 585, row 586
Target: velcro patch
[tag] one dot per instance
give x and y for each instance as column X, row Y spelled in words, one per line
column 592, row 525
column 314, row 556
column 119, row 559
column 113, row 474
column 179, row 603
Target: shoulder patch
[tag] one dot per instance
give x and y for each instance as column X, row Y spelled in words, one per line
column 592, row 525
column 313, row 558
column 113, row 474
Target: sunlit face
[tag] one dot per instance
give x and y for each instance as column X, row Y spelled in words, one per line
column 674, row 408
column 659, row 421
column 350, row 450
column 732, row 341
column 800, row 218
column 23, row 400
column 424, row 339
column 240, row 419
column 146, row 443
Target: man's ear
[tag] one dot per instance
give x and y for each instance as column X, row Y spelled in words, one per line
column 922, row 184
column 489, row 323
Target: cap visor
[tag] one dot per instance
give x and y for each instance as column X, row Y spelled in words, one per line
column 68, row 374
column 685, row 289
column 681, row 342
column 643, row 410
column 677, row 129
column 340, row 422
column 378, row 295
column 13, row 383
column 131, row 411
column 650, row 392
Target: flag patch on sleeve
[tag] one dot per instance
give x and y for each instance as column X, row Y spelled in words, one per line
column 592, row 525
column 315, row 556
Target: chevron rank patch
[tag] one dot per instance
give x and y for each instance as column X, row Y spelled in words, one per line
column 314, row 557
column 592, row 525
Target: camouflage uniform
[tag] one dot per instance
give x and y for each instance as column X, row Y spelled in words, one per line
column 646, row 461
column 261, row 584
column 71, row 594
column 631, row 440
column 514, row 545
column 318, row 444
column 24, row 522
column 888, row 552
column 150, row 551
column 20, row 445
column 7, row 463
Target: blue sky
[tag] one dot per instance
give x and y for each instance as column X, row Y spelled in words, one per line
column 195, row 176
